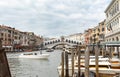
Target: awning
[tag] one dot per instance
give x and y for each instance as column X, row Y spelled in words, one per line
column 7, row 46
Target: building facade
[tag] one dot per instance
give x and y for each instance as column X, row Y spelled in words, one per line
column 15, row 40
column 98, row 33
column 112, row 35
column 76, row 37
column 87, row 35
column 6, row 35
column 113, row 21
column 102, row 32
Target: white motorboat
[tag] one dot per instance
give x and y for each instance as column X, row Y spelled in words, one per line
column 34, row 55
column 115, row 62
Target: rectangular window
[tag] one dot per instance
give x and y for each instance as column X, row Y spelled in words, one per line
column 117, row 6
column 1, row 34
column 103, row 29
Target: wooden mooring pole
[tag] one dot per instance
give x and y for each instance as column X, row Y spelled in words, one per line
column 97, row 50
column 66, row 64
column 62, row 57
column 118, row 52
column 87, row 54
column 62, row 63
column 72, row 55
column 110, row 54
column 79, row 58
column 4, row 67
column 105, row 51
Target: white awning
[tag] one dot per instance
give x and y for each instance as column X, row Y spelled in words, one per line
column 7, row 46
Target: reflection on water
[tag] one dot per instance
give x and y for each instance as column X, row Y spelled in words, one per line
column 34, row 67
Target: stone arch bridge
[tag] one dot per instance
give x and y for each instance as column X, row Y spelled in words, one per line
column 53, row 43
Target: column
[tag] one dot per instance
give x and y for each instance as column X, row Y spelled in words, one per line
column 119, row 22
column 119, row 4
column 115, row 52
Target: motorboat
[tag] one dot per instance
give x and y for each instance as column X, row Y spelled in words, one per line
column 49, row 50
column 34, row 55
column 115, row 63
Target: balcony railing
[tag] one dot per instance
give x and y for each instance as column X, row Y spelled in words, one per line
column 112, row 32
column 112, row 43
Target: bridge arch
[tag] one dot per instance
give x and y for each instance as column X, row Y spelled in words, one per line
column 60, row 43
column 56, row 42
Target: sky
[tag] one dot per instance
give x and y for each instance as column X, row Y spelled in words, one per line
column 52, row 18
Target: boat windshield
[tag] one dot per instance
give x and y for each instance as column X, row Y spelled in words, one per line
column 28, row 54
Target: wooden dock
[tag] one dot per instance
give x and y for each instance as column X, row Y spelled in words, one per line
column 77, row 71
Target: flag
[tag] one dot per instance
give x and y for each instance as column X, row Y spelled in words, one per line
column 109, row 28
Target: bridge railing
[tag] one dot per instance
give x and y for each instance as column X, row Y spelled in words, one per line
column 53, row 44
column 56, row 41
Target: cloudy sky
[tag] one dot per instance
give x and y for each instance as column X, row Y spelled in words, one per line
column 51, row 18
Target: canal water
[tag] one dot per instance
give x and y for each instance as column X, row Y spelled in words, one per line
column 34, row 67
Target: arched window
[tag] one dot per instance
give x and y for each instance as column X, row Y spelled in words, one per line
column 117, row 39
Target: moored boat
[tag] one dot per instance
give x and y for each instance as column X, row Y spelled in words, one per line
column 49, row 50
column 105, row 67
column 34, row 55
column 115, row 63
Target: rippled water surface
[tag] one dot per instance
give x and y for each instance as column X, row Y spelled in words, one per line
column 34, row 67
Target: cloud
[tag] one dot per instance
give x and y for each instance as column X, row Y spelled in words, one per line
column 52, row 17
